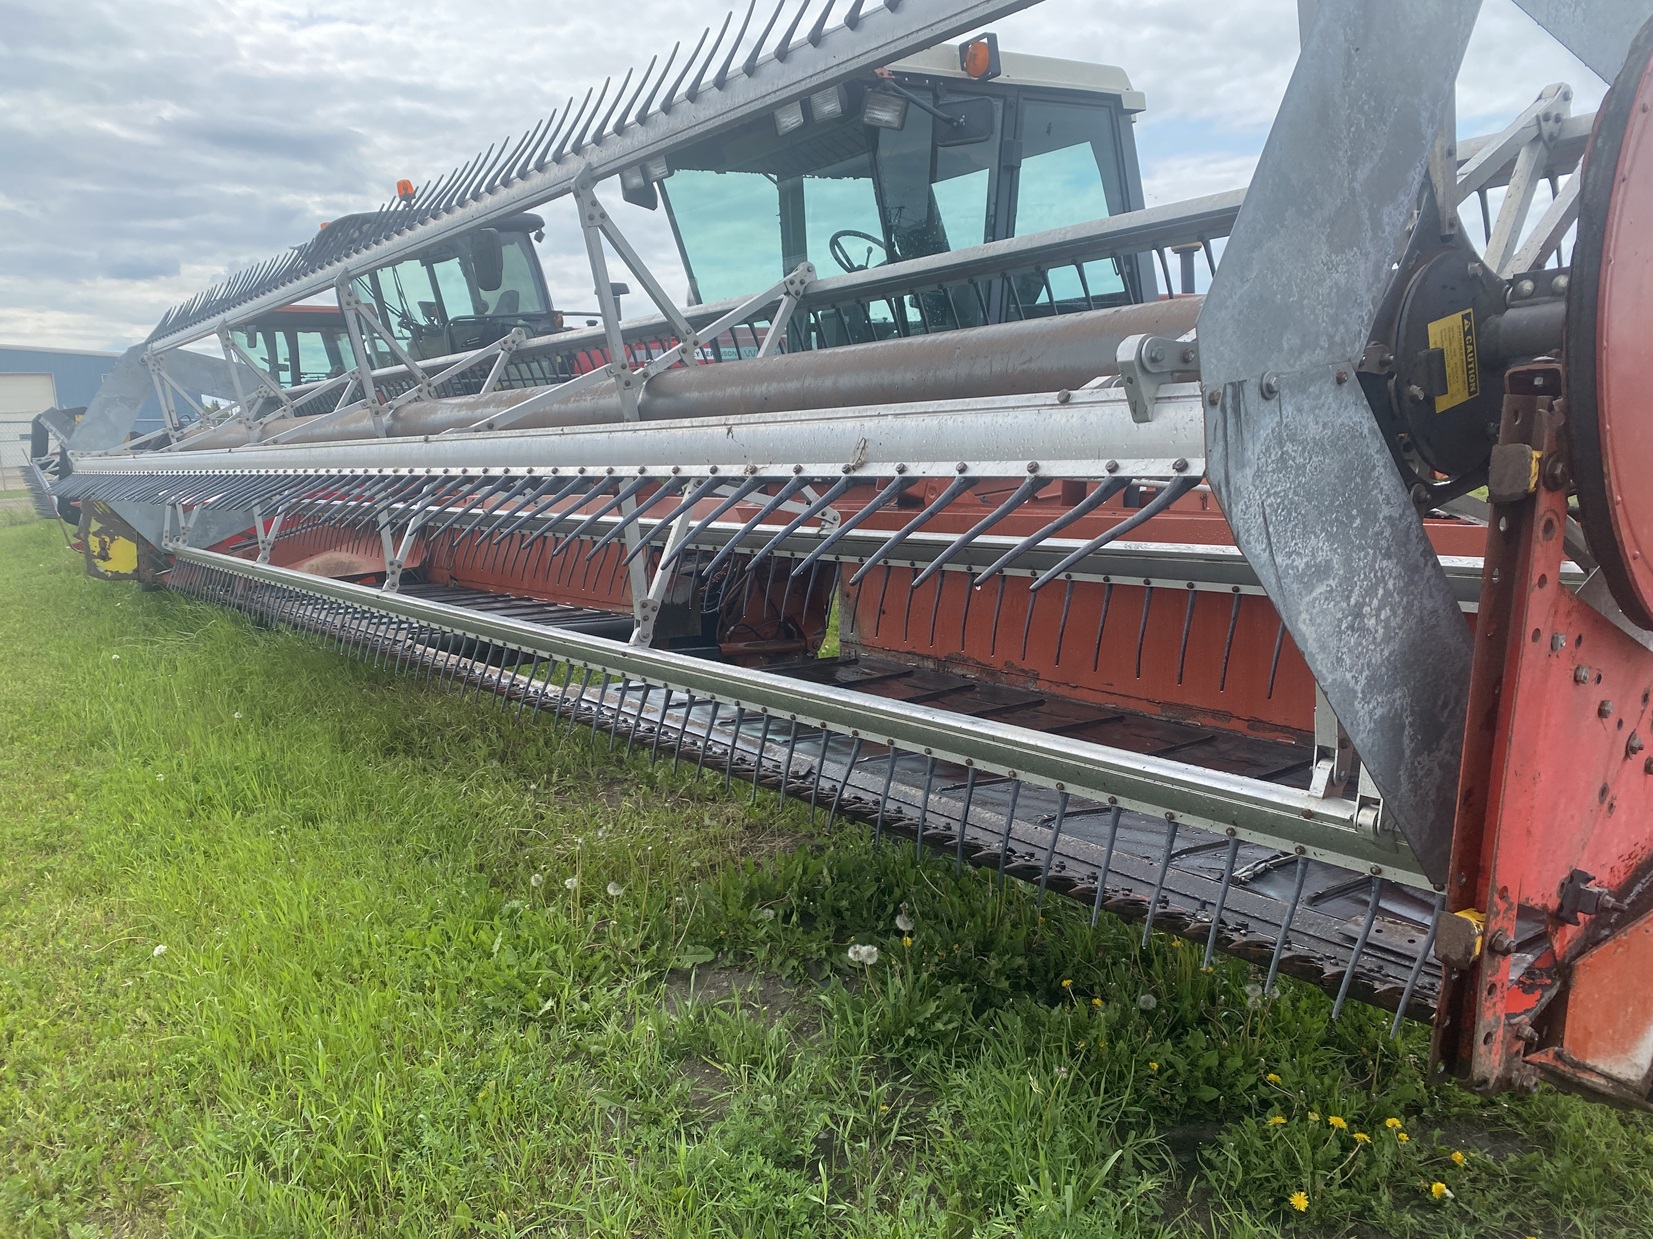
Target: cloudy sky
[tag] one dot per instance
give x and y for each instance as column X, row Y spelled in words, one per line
column 150, row 147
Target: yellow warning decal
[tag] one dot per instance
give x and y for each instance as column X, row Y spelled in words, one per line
column 1454, row 335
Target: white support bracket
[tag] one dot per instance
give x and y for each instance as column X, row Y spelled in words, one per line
column 1146, row 361
column 1334, row 755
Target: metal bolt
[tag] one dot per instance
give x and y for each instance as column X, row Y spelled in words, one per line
column 1558, row 285
column 1033, row 466
column 1581, row 675
column 1342, row 377
column 1647, row 766
column 961, row 467
column 1156, row 355
column 1605, row 710
column 1187, row 355
column 1499, row 942
column 797, row 469
column 1112, row 466
column 1474, row 270
column 1180, row 464
column 1634, row 745
column 1269, row 386
column 1063, row 396
column 1213, row 397
column 1558, row 641
column 1524, row 288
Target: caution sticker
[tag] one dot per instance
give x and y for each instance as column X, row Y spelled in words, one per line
column 1454, row 335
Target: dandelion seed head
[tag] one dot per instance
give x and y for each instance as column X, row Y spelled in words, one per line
column 1253, row 990
column 160, row 778
column 238, row 714
column 615, row 890
column 115, row 658
column 537, row 881
column 1147, row 1002
column 1253, row 1004
column 863, row 953
column 1061, row 1073
column 904, row 923
column 160, row 949
column 767, row 914
column 571, row 883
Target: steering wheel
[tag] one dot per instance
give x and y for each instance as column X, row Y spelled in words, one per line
column 841, row 256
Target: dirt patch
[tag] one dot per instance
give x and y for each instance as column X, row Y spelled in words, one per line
column 712, row 984
column 1497, row 1144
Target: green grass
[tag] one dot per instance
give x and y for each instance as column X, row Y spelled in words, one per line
column 369, row 1019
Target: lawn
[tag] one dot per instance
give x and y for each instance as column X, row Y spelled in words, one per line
column 289, row 946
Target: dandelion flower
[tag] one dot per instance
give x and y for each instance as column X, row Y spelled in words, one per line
column 1315, row 1115
column 1440, row 1191
column 160, row 950
column 571, row 883
column 883, row 1109
column 1299, row 1201
column 1097, row 1003
column 1392, row 1124
column 1152, row 1066
column 1079, row 1045
column 1067, row 983
column 863, row 953
column 1147, row 1002
column 1362, row 1138
column 615, row 890
column 1458, row 1159
column 1402, row 1137
column 1337, row 1121
column 1276, row 1120
column 904, row 923
column 907, row 942
column 1272, row 1078
column 537, row 881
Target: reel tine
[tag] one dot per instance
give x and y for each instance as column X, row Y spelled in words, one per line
column 683, row 732
column 667, row 491
column 693, row 92
column 1187, row 626
column 964, row 818
column 843, row 783
column 953, row 490
column 619, row 709
column 1285, row 925
column 1228, row 644
column 1360, row 945
column 884, row 797
column 660, row 727
column 504, row 528
column 643, row 112
column 1176, row 489
column 734, row 743
column 625, row 492
column 741, row 491
column 786, row 492
column 1222, row 896
column 786, row 768
column 783, row 48
column 924, row 808
column 763, row 748
column 1159, row 883
column 1417, row 966
column 1021, row 495
column 1009, row 825
column 1050, row 849
column 669, row 100
column 706, row 741
column 722, row 74
column 751, row 61
column 1107, row 863
column 694, row 497
column 891, row 491
column 1104, row 491
column 1062, row 628
column 621, row 122
column 820, row 771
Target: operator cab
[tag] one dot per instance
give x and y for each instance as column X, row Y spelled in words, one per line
column 920, row 159
column 298, row 343
column 464, row 293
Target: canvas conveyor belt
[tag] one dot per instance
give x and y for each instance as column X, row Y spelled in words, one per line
column 1351, row 933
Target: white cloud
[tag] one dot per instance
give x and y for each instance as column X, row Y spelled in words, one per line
column 149, row 150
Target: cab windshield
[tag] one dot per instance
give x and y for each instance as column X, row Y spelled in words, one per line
column 420, row 298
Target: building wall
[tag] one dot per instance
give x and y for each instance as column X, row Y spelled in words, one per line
column 66, row 378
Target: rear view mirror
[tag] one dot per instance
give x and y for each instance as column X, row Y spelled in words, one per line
column 972, row 121
column 488, row 259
